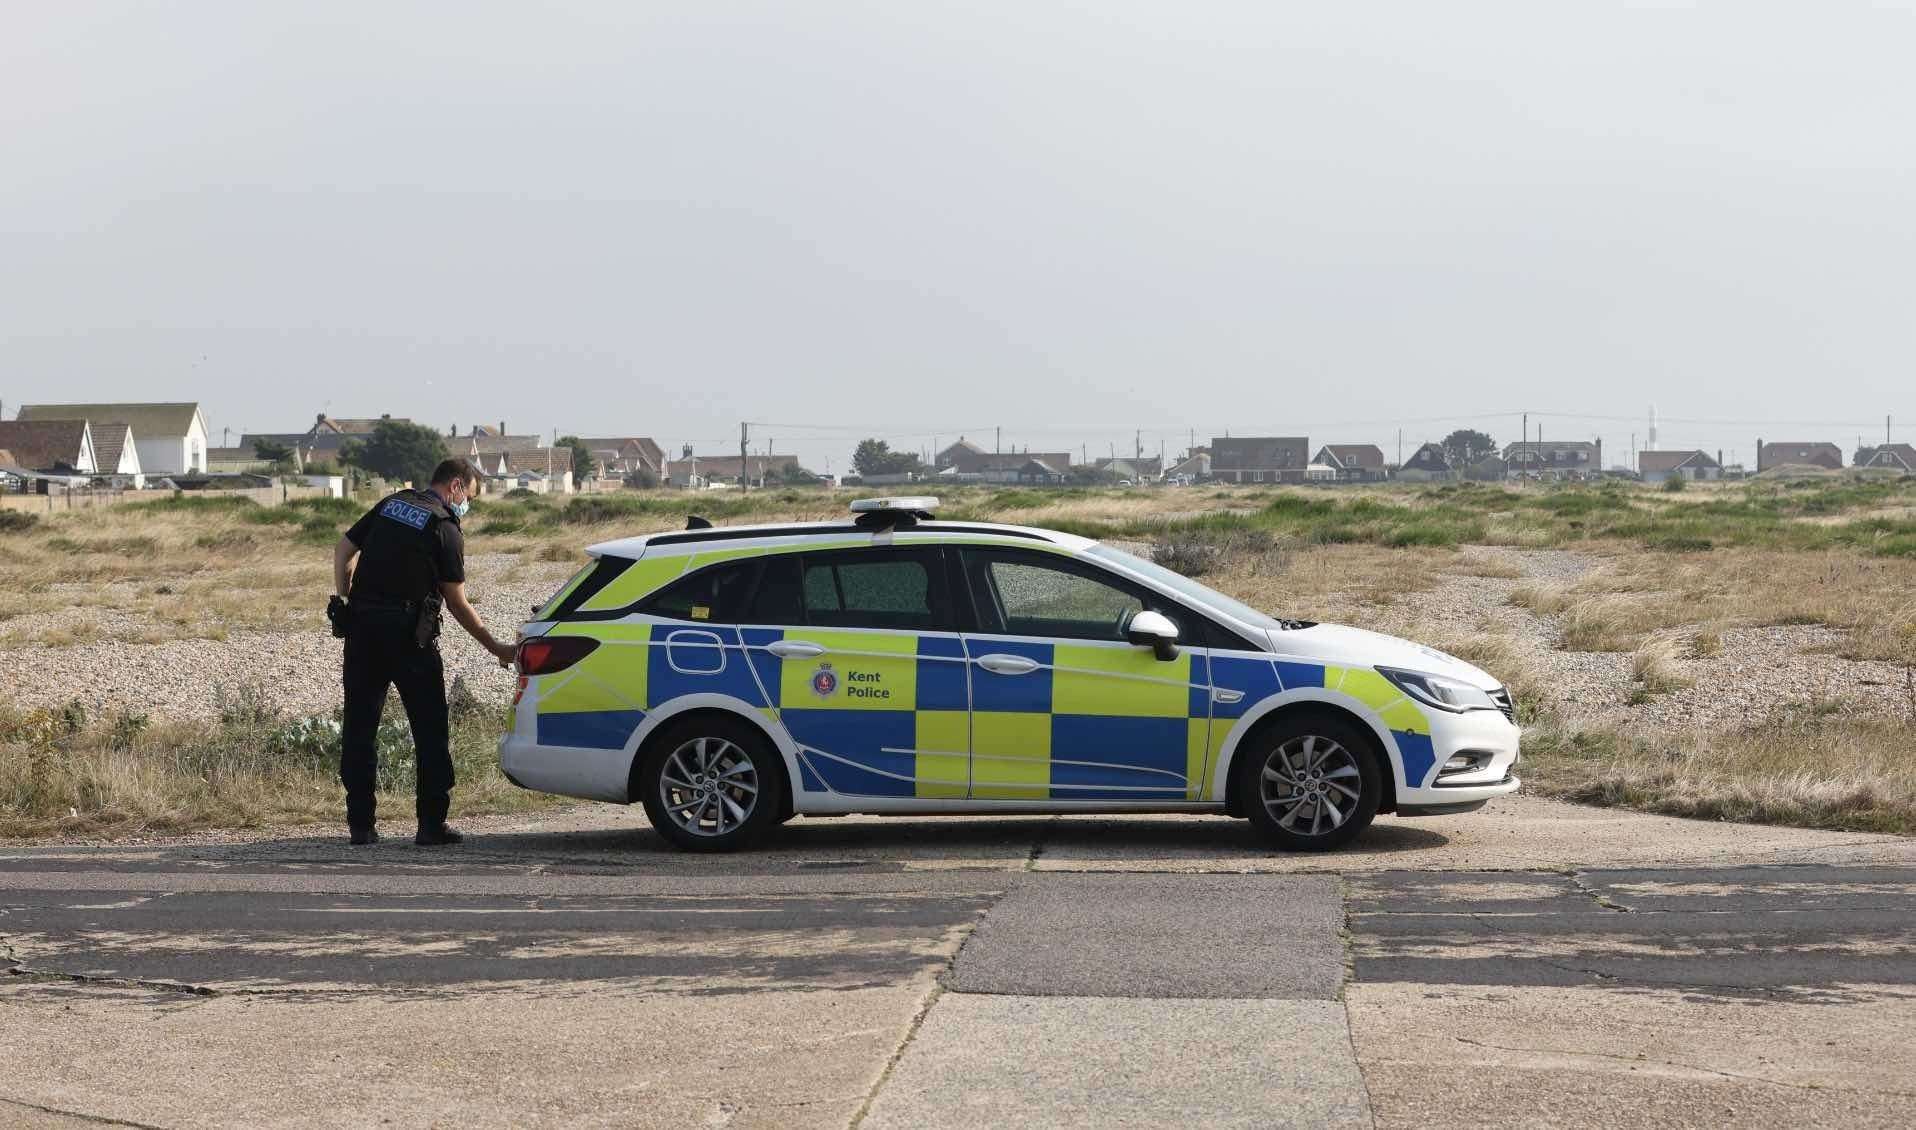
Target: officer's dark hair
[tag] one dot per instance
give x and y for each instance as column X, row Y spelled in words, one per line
column 456, row 470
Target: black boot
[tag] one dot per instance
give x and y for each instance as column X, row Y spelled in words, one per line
column 438, row 834
column 363, row 834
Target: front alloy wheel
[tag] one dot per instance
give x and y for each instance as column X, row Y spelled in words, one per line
column 711, row 785
column 1311, row 784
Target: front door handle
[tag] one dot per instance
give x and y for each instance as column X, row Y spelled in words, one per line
column 1008, row 664
column 794, row 649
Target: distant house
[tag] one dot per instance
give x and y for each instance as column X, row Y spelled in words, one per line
column 962, row 455
column 170, row 437
column 696, row 471
column 1889, row 456
column 1260, row 459
column 1007, row 467
column 1352, row 462
column 1147, row 468
column 1191, row 468
column 1427, row 464
column 60, row 445
column 234, row 460
column 1490, row 469
column 1825, row 455
column 319, row 445
column 116, row 454
column 619, row 456
column 1656, row 466
column 1558, row 459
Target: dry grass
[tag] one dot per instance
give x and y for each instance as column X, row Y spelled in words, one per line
column 1654, row 665
column 1804, row 767
column 63, row 773
column 1635, row 596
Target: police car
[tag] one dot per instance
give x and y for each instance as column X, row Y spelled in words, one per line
column 728, row 678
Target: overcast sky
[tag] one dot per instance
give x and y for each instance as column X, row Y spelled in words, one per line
column 916, row 219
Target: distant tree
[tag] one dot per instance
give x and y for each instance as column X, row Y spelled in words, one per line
column 397, row 451
column 583, row 465
column 875, row 457
column 272, row 452
column 1465, row 446
column 643, row 478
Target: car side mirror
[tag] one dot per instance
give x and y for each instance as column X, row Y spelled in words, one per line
column 1155, row 631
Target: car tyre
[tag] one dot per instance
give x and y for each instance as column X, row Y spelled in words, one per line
column 1310, row 782
column 711, row 783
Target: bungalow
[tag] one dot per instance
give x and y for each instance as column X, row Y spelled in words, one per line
column 1260, row 459
column 963, row 455
column 619, row 456
column 1191, row 468
column 1825, row 455
column 1427, row 464
column 64, row 446
column 320, row 444
column 696, row 471
column 170, row 438
column 1657, row 466
column 1558, row 459
column 1890, row 456
column 1352, row 462
column 116, row 454
column 1145, row 469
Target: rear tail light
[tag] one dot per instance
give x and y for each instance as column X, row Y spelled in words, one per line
column 543, row 655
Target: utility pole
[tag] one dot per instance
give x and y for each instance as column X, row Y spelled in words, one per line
column 998, row 439
column 1137, row 444
column 1400, row 446
column 744, row 471
column 1192, row 450
column 1526, row 427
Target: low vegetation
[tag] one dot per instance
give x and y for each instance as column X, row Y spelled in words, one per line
column 1681, row 569
column 65, row 772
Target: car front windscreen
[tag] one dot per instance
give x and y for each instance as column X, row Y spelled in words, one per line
column 1185, row 587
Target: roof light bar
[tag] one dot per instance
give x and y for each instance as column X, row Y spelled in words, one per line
column 910, row 504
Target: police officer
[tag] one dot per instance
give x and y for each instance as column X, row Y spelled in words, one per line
column 395, row 568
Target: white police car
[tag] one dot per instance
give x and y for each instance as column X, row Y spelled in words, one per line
column 730, row 677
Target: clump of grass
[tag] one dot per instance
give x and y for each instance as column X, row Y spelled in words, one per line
column 17, row 521
column 1848, row 772
column 1655, row 668
column 1706, row 644
column 63, row 771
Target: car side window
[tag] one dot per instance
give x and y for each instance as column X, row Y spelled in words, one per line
column 1027, row 594
column 779, row 599
column 875, row 588
column 716, row 595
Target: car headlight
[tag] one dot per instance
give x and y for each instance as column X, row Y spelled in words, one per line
column 1439, row 691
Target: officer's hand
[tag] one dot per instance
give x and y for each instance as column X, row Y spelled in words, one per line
column 505, row 653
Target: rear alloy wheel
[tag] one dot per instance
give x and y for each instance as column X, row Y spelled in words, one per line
column 1311, row 784
column 711, row 784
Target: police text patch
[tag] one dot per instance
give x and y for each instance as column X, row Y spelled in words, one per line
column 406, row 512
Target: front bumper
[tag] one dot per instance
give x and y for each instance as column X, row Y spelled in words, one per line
column 1490, row 739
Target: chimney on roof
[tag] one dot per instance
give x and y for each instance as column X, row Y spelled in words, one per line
column 502, row 427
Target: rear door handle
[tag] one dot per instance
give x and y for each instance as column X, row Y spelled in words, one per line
column 794, row 649
column 1008, row 664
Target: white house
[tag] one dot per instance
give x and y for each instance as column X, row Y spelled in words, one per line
column 116, row 455
column 170, row 438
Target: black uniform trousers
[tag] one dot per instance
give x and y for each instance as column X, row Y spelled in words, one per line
column 381, row 652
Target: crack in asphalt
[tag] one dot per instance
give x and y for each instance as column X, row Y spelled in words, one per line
column 1688, row 1066
column 1580, row 887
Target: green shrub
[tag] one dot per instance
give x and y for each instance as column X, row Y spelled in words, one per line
column 1675, row 484
column 14, row 521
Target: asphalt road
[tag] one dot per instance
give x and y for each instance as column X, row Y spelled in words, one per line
column 1532, row 964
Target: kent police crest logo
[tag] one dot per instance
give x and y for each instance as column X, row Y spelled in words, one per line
column 824, row 681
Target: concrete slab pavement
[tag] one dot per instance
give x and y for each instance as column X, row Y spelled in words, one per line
column 1090, row 1061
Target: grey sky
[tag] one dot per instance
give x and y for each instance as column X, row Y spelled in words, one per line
column 1069, row 220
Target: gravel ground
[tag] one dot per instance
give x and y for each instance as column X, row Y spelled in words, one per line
column 295, row 671
column 1757, row 672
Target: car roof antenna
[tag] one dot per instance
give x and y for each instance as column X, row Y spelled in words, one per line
column 695, row 522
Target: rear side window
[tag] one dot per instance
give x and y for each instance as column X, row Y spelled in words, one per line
column 584, row 586
column 719, row 595
column 876, row 588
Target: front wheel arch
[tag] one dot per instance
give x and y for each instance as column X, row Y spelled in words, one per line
column 1234, row 803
